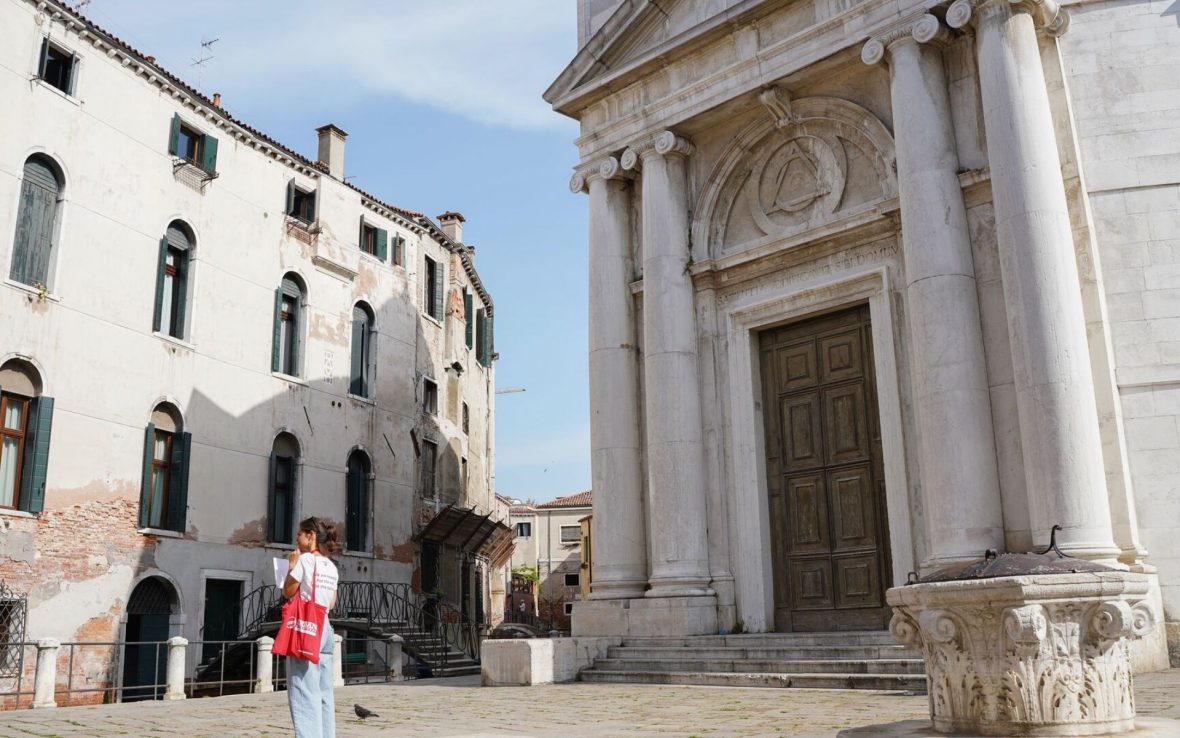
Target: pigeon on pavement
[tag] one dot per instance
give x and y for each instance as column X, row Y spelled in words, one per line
column 362, row 713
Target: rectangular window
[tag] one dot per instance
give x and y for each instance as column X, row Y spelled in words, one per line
column 466, row 419
column 369, row 239
column 569, row 608
column 300, row 203
column 571, row 534
column 463, row 474
column 524, row 530
column 433, row 297
column 399, row 250
column 572, row 580
column 429, row 397
column 57, row 67
column 429, row 462
column 469, row 318
column 189, row 144
column 161, row 475
column 282, row 499
column 14, row 418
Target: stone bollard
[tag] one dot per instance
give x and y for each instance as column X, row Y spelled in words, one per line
column 264, row 670
column 176, row 649
column 394, row 656
column 337, row 660
column 46, row 678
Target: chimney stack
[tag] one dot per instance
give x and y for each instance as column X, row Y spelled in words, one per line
column 217, row 100
column 332, row 149
column 452, row 225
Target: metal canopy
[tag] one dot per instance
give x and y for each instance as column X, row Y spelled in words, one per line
column 467, row 530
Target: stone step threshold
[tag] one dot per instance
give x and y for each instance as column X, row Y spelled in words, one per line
column 777, row 640
column 812, row 666
column 885, row 682
column 785, row 654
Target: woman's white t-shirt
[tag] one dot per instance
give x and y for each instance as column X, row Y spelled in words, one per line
column 326, row 577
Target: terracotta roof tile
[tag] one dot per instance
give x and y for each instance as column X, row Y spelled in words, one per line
column 581, row 499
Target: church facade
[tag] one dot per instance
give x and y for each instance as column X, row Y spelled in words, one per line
column 875, row 287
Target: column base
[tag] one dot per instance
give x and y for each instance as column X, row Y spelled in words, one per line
column 617, row 590
column 646, row 617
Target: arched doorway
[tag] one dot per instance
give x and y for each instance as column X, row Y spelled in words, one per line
column 145, row 655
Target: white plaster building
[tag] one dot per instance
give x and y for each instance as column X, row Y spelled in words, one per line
column 549, row 537
column 289, row 344
column 875, row 287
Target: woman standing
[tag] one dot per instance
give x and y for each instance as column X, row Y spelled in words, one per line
column 309, row 686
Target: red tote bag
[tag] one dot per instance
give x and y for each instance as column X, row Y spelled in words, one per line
column 302, row 627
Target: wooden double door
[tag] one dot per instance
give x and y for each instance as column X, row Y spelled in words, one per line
column 828, row 527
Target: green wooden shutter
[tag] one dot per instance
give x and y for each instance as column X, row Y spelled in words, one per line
column 468, row 304
column 145, row 490
column 371, row 364
column 36, row 462
column 382, row 244
column 297, row 337
column 161, row 261
column 288, row 521
column 178, row 481
column 290, row 197
column 490, row 341
column 174, row 136
column 438, row 290
column 481, row 342
column 182, row 265
column 360, row 234
column 276, row 349
column 352, row 503
column 311, row 206
column 273, row 524
column 44, row 58
column 399, row 244
column 356, row 377
column 209, row 154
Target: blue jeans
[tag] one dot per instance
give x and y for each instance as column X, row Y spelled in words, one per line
column 309, row 692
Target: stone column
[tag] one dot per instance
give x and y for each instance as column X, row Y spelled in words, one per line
column 264, row 665
column 1050, row 354
column 175, row 671
column 45, row 679
column 616, row 462
column 675, row 450
column 960, row 483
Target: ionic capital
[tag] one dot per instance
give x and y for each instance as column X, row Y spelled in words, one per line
column 1048, row 15
column 923, row 29
column 631, row 161
column 578, row 183
column 669, row 144
column 612, row 168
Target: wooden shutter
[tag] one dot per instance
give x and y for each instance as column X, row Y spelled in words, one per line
column 382, row 244
column 481, row 342
column 297, row 335
column 489, row 340
column 311, row 206
column 276, row 348
column 360, row 235
column 180, row 284
column 35, row 466
column 209, row 154
column 145, row 490
column 352, row 515
column 174, row 136
column 178, row 481
column 288, row 521
column 44, row 58
column 437, row 310
column 399, row 245
column 371, row 363
column 35, row 219
column 356, row 376
column 161, row 262
column 290, row 197
column 273, row 524
column 468, row 304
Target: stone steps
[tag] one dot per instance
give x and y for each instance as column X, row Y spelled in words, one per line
column 907, row 682
column 854, row 660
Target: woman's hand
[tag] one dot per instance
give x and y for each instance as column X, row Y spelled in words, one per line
column 293, row 557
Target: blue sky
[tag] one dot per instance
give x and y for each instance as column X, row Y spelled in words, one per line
column 442, row 104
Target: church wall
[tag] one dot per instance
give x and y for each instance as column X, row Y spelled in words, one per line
column 1120, row 60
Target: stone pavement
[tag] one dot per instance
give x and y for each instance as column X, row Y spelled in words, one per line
column 460, row 708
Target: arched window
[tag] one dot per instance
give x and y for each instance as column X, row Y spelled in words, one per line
column 26, row 420
column 163, row 497
column 280, row 499
column 172, row 280
column 364, row 352
column 36, row 222
column 290, row 299
column 358, row 502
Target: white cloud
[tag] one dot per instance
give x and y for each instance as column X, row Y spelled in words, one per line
column 487, row 61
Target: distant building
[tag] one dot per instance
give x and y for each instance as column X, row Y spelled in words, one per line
column 549, row 538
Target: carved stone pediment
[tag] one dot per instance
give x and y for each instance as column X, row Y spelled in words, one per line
column 816, row 160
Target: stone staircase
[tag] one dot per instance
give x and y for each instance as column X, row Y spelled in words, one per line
column 853, row 660
column 430, row 649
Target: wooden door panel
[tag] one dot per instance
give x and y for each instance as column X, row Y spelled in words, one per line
column 853, row 512
column 841, row 356
column 807, row 509
column 858, row 581
column 796, row 367
column 802, row 437
column 811, row 583
column 846, row 424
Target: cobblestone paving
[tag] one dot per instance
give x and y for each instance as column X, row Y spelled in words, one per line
column 459, row 708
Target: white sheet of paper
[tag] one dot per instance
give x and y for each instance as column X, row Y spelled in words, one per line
column 281, row 569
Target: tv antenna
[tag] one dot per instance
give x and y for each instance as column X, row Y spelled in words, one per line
column 80, row 5
column 204, row 57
